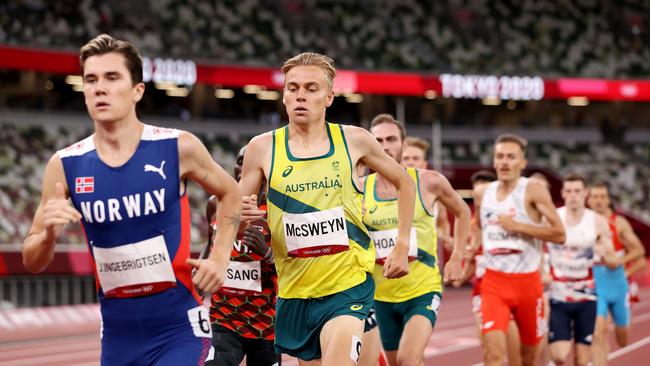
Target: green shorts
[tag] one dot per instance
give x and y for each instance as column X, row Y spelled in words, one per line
column 392, row 316
column 298, row 322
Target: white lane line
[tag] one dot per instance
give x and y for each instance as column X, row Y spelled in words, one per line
column 629, row 348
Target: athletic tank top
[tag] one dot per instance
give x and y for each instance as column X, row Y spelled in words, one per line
column 136, row 223
column 572, row 262
column 245, row 303
column 381, row 219
column 505, row 252
column 320, row 244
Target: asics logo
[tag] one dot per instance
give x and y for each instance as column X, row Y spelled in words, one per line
column 356, row 307
column 151, row 168
column 287, row 171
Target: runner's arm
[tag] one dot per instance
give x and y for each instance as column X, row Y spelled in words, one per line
column 197, row 165
column 53, row 213
column 633, row 247
column 541, row 200
column 253, row 175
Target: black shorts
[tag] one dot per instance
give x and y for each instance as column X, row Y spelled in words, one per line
column 565, row 316
column 229, row 349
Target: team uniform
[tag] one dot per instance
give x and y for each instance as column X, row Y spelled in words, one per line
column 611, row 284
column 137, row 224
column 512, row 282
column 243, row 310
column 572, row 290
column 419, row 292
column 323, row 253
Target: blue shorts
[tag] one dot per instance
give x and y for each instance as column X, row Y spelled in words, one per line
column 611, row 289
column 581, row 316
column 175, row 336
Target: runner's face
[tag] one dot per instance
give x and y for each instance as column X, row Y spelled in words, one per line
column 413, row 157
column 574, row 194
column 598, row 199
column 508, row 161
column 389, row 137
column 306, row 94
column 108, row 89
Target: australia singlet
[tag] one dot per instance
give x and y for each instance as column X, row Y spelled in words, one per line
column 245, row 303
column 571, row 263
column 137, row 223
column 503, row 251
column 380, row 217
column 320, row 244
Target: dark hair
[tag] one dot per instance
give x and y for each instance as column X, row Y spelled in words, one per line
column 483, row 176
column 575, row 177
column 388, row 118
column 104, row 44
column 511, row 137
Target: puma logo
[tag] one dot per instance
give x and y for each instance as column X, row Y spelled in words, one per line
column 151, row 168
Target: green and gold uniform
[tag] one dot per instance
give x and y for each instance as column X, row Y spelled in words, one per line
column 419, row 292
column 323, row 253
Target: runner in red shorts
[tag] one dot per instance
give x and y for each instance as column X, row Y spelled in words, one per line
column 511, row 211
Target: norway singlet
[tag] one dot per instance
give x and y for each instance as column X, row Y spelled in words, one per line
column 137, row 226
column 572, row 262
column 380, row 217
column 320, row 244
column 506, row 252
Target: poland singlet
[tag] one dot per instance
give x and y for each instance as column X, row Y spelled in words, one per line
column 380, row 217
column 503, row 251
column 137, row 226
column 572, row 262
column 320, row 244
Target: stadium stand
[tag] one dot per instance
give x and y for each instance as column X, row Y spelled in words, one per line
column 584, row 38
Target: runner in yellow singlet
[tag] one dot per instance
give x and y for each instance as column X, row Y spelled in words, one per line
column 323, row 253
column 407, row 308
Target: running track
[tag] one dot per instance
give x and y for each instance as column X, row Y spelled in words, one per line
column 453, row 342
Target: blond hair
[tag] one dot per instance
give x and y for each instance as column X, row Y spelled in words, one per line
column 420, row 143
column 323, row 62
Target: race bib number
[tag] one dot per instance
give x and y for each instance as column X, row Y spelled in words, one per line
column 498, row 241
column 315, row 234
column 200, row 320
column 243, row 277
column 385, row 240
column 133, row 270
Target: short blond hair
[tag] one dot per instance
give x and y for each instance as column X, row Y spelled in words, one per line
column 323, row 62
column 420, row 143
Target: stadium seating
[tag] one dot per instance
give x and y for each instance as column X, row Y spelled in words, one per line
column 587, row 39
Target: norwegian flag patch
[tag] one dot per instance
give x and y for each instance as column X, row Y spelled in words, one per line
column 84, row 185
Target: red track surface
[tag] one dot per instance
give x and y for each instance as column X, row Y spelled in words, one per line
column 454, row 341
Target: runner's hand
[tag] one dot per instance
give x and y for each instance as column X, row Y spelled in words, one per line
column 209, row 274
column 249, row 209
column 58, row 212
column 454, row 268
column 508, row 224
column 254, row 239
column 397, row 262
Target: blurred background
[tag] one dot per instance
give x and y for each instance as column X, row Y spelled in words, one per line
column 570, row 76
